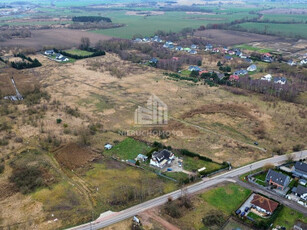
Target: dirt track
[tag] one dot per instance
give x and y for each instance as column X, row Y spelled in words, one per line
column 61, row 38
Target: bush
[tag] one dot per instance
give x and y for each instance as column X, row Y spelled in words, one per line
column 279, row 151
column 215, row 218
column 172, row 209
column 27, row 179
column 297, row 148
column 1, row 168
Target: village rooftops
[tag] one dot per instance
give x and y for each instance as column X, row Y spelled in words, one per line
column 301, row 166
column 277, row 178
column 264, row 203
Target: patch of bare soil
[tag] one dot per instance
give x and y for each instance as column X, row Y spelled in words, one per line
column 229, row 37
column 231, row 110
column 61, row 38
column 74, row 156
column 152, row 215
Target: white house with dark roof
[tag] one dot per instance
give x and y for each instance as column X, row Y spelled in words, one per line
column 162, row 159
column 252, row 68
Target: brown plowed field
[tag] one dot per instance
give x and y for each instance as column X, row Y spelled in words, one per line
column 61, row 38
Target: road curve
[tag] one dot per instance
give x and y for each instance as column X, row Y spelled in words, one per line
column 197, row 187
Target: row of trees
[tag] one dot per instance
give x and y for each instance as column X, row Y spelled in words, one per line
column 91, row 19
column 26, row 63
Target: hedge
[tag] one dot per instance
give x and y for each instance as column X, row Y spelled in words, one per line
column 95, row 54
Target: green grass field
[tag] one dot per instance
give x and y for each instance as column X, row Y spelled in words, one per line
column 193, row 164
column 253, row 48
column 289, row 217
column 289, row 30
column 232, row 193
column 78, row 52
column 128, row 149
column 170, row 21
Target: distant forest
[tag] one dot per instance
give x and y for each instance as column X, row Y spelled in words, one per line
column 91, row 19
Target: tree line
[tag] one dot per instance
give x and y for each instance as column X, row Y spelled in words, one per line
column 30, row 63
column 91, row 19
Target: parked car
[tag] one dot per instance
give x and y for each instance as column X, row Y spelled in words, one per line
column 256, row 143
column 238, row 211
column 242, row 214
column 246, row 209
column 169, row 169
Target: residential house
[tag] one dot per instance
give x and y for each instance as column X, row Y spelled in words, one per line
column 302, row 182
column 280, row 80
column 301, row 192
column 187, row 49
column 141, row 158
column 215, row 50
column 267, row 57
column 267, row 77
column 63, row 59
column 234, row 77
column 280, row 180
column 252, row 68
column 153, row 61
column 241, row 72
column 194, row 68
column 264, row 205
column 58, row 56
column 231, row 52
column 146, row 39
column 248, row 60
column 162, row 158
column 108, row 146
column 175, row 58
column 178, row 48
column 300, row 169
column 220, row 75
column 202, row 71
column 138, row 40
column 228, row 58
column 243, row 56
column 291, row 63
column 208, row 47
column 303, row 62
column 193, row 47
column 169, row 45
column 49, row 52
column 157, row 39
column 193, row 52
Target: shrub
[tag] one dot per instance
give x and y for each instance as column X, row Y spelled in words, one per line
column 27, row 179
column 215, row 218
column 298, row 147
column 1, row 168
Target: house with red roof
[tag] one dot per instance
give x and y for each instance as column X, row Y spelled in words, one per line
column 264, row 205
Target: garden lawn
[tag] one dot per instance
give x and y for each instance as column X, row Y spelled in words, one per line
column 129, row 149
column 288, row 218
column 227, row 198
column 79, row 52
column 193, row 164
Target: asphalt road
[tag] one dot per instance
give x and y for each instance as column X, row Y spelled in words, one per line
column 194, row 188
